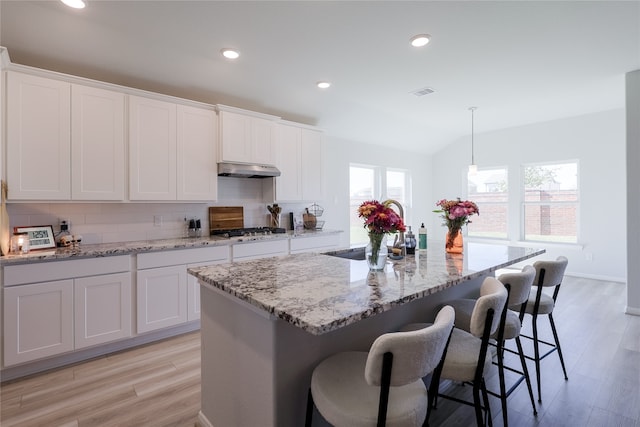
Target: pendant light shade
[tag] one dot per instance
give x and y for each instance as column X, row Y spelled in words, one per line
column 473, row 168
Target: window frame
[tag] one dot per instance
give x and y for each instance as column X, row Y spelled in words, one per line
column 380, row 189
column 506, row 203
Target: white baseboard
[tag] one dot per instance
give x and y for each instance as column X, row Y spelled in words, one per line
column 617, row 279
column 632, row 310
column 203, row 420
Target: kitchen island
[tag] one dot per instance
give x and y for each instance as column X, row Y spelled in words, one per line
column 267, row 323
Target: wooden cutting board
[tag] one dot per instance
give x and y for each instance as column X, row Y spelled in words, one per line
column 226, row 218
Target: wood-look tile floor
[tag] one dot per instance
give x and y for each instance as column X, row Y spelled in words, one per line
column 159, row 384
column 153, row 385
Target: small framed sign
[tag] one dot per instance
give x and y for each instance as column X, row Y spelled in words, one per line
column 40, row 236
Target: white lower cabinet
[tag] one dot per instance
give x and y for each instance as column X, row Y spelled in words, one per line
column 193, row 292
column 51, row 308
column 57, row 307
column 38, row 321
column 102, row 309
column 162, row 297
column 166, row 294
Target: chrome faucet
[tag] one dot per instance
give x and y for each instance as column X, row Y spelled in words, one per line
column 401, row 212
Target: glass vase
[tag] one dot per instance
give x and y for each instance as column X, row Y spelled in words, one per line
column 454, row 243
column 376, row 251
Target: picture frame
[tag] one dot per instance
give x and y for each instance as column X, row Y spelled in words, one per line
column 40, row 236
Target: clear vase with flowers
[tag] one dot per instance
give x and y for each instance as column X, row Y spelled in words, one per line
column 456, row 213
column 379, row 220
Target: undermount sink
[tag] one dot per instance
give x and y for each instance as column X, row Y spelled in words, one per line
column 356, row 254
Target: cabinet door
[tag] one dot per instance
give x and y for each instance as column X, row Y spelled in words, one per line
column 193, row 288
column 193, row 298
column 97, row 144
column 289, row 183
column 235, row 142
column 102, row 309
column 161, row 297
column 38, row 321
column 38, row 138
column 311, row 168
column 152, row 149
column 262, row 141
column 197, row 154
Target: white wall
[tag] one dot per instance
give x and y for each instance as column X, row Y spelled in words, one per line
column 597, row 141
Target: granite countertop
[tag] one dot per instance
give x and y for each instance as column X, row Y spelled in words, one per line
column 320, row 293
column 125, row 248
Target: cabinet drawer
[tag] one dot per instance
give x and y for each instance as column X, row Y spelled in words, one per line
column 260, row 249
column 56, row 270
column 183, row 256
column 308, row 244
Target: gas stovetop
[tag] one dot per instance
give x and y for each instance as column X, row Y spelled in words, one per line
column 252, row 231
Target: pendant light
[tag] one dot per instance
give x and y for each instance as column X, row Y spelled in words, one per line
column 473, row 168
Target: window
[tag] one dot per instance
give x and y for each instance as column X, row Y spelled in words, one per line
column 551, row 202
column 488, row 188
column 374, row 182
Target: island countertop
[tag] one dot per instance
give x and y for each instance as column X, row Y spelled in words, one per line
column 320, row 293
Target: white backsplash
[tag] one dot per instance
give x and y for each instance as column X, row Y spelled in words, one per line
column 119, row 222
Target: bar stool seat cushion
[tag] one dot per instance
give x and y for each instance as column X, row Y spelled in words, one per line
column 512, row 326
column 344, row 398
column 462, row 357
column 546, row 302
column 462, row 354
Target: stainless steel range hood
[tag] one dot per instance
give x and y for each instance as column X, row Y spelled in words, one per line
column 243, row 170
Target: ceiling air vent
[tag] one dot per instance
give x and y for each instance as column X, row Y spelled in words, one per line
column 422, row 92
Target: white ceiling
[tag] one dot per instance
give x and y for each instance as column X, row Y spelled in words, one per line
column 519, row 62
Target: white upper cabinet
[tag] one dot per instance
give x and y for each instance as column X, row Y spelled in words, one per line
column 197, row 155
column 97, row 144
column 312, row 161
column 172, row 151
column 288, row 161
column 38, row 138
column 64, row 141
column 152, row 149
column 262, row 141
column 246, row 137
column 299, row 154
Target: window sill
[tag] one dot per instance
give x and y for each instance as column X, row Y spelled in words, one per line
column 528, row 243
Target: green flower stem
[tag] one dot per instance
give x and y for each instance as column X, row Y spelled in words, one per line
column 376, row 241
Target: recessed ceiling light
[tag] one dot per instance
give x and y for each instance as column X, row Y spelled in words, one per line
column 76, row 4
column 420, row 40
column 230, row 53
column 323, row 85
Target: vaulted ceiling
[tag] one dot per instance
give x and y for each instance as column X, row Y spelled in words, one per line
column 519, row 62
